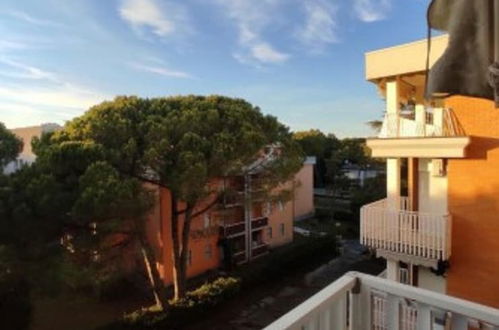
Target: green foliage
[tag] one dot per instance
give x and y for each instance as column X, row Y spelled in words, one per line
column 210, row 294
column 374, row 189
column 197, row 304
column 304, row 253
column 322, row 146
column 332, row 154
column 10, row 146
column 184, row 142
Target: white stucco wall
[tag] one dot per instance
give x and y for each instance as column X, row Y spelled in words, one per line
column 432, row 189
column 429, row 281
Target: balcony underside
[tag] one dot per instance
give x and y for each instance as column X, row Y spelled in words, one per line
column 407, row 258
column 419, row 147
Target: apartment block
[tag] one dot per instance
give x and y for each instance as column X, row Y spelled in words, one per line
column 243, row 228
column 438, row 226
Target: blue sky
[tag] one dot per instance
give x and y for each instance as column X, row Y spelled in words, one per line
column 300, row 60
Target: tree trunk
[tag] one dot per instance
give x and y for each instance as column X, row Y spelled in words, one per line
column 158, row 288
column 157, row 285
column 180, row 248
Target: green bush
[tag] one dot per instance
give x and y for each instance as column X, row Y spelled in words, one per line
column 305, row 253
column 194, row 306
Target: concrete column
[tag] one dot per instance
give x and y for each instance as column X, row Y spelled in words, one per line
column 393, row 183
column 392, row 270
column 393, row 108
column 393, row 165
column 413, row 183
column 420, row 117
column 438, row 121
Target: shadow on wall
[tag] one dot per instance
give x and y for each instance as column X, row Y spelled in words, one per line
column 480, row 147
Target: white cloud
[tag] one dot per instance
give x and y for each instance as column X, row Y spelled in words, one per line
column 371, row 10
column 320, row 24
column 12, row 45
column 251, row 19
column 162, row 18
column 23, row 71
column 65, row 96
column 161, row 70
column 265, row 53
column 29, row 87
column 34, row 20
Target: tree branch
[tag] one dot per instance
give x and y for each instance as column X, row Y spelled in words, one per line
column 204, row 209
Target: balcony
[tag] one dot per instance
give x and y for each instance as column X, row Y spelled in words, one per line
column 424, row 236
column 238, row 228
column 258, row 223
column 233, row 229
column 430, row 133
column 359, row 301
column 259, row 250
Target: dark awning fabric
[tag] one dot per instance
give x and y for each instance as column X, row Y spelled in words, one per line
column 463, row 69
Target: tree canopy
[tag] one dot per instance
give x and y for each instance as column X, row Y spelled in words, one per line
column 101, row 160
column 10, row 146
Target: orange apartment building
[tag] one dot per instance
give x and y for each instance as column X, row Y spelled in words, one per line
column 438, row 227
column 240, row 231
column 442, row 233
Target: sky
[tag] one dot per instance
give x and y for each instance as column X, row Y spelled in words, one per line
column 299, row 60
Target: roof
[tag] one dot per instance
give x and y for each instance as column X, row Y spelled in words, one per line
column 403, row 59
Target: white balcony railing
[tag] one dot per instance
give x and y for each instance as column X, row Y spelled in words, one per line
column 359, row 302
column 419, row 234
column 421, row 123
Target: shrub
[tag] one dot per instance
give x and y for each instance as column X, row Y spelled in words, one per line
column 195, row 305
column 303, row 254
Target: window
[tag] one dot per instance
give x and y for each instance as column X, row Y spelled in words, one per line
column 282, row 229
column 281, row 206
column 269, row 232
column 189, row 258
column 208, row 251
column 408, row 274
column 404, row 276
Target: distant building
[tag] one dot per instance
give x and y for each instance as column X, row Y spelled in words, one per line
column 26, row 134
column 243, row 230
column 359, row 174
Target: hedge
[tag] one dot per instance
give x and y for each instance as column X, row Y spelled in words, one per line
column 305, row 253
column 197, row 304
